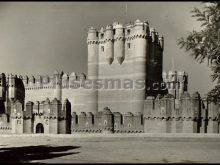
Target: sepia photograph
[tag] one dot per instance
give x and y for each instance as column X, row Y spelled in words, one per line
column 110, row 82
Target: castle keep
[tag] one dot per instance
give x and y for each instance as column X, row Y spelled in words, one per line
column 117, row 52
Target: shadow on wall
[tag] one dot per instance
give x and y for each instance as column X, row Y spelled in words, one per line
column 28, row 153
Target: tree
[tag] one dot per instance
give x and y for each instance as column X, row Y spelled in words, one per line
column 205, row 44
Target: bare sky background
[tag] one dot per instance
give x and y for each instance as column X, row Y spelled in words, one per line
column 39, row 37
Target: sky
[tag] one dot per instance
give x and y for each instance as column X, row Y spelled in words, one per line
column 37, row 38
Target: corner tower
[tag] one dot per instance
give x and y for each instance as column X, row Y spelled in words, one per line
column 93, row 48
column 140, row 57
column 119, row 42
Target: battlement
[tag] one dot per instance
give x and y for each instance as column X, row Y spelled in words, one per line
column 127, row 31
column 107, row 121
column 176, row 82
column 49, row 82
column 49, row 109
column 174, row 76
column 167, row 107
column 187, row 115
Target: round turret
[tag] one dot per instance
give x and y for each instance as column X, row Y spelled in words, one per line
column 46, row 79
column 108, row 45
column 139, row 27
column 140, row 52
column 93, row 57
column 65, row 75
column 117, row 25
column 164, row 76
column 138, row 22
column 101, row 33
column 161, row 42
column 73, row 76
column 39, row 79
column 119, row 42
column 153, row 34
column 172, row 75
column 157, row 38
column 92, row 34
column 109, row 32
column 25, row 79
column 12, row 87
column 181, row 76
column 146, row 28
column 82, row 76
column 32, row 80
column 65, row 80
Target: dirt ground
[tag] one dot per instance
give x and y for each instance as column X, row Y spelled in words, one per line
column 103, row 149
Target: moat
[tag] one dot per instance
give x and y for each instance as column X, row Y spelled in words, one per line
column 99, row 148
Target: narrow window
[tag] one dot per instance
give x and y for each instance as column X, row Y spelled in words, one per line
column 121, row 119
column 129, row 45
column 128, row 31
column 114, row 31
column 77, row 121
column 93, row 120
column 129, row 125
column 97, row 34
column 142, row 121
column 102, row 49
column 102, row 35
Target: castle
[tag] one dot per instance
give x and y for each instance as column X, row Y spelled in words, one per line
column 60, row 103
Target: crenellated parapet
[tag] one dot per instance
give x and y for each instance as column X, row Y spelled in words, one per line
column 176, row 82
column 192, row 115
column 49, row 82
column 5, row 126
column 118, row 31
column 92, row 38
column 173, row 76
column 210, row 116
column 53, row 116
column 47, row 109
column 107, row 122
column 114, row 38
